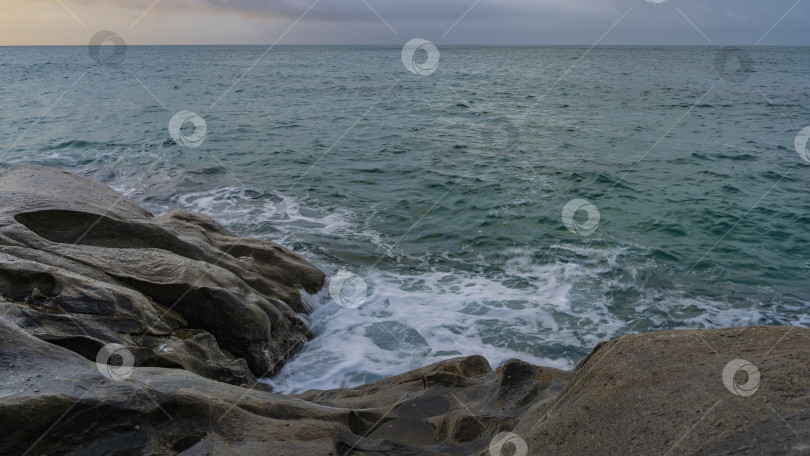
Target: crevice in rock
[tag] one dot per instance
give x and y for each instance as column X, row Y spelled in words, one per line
column 18, row 284
column 84, row 228
column 84, row 346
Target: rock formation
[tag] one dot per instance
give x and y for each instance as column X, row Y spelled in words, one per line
column 82, row 267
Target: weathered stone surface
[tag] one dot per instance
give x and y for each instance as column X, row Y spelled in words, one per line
column 70, row 407
column 54, row 401
column 657, row 393
column 663, row 393
column 81, row 267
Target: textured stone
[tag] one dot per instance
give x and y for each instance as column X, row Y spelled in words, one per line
column 81, row 267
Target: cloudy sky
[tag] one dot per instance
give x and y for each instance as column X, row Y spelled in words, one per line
column 766, row 22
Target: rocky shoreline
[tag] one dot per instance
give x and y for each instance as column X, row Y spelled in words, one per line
column 124, row 333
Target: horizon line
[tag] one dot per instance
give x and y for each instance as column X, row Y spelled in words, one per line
column 444, row 45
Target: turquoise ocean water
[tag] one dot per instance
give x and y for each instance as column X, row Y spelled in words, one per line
column 445, row 192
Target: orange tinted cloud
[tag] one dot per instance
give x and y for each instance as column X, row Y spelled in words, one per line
column 66, row 22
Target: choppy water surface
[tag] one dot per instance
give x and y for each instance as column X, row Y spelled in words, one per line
column 445, row 192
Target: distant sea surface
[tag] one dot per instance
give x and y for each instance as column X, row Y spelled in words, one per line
column 445, row 192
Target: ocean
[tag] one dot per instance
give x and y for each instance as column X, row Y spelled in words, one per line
column 512, row 202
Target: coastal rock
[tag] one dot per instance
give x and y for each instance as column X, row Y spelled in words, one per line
column 670, row 392
column 82, row 267
column 655, row 393
column 69, row 407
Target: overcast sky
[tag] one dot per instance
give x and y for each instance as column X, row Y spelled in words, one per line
column 741, row 22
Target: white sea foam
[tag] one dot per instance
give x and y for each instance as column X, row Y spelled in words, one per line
column 410, row 320
column 413, row 319
column 234, row 206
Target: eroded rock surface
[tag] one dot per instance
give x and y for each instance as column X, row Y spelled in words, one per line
column 81, row 267
column 665, row 393
column 656, row 393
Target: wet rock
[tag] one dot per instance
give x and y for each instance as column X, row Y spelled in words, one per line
column 82, row 267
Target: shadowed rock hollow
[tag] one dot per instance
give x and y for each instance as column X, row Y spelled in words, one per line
column 203, row 311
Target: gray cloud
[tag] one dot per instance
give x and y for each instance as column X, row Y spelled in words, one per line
column 510, row 21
